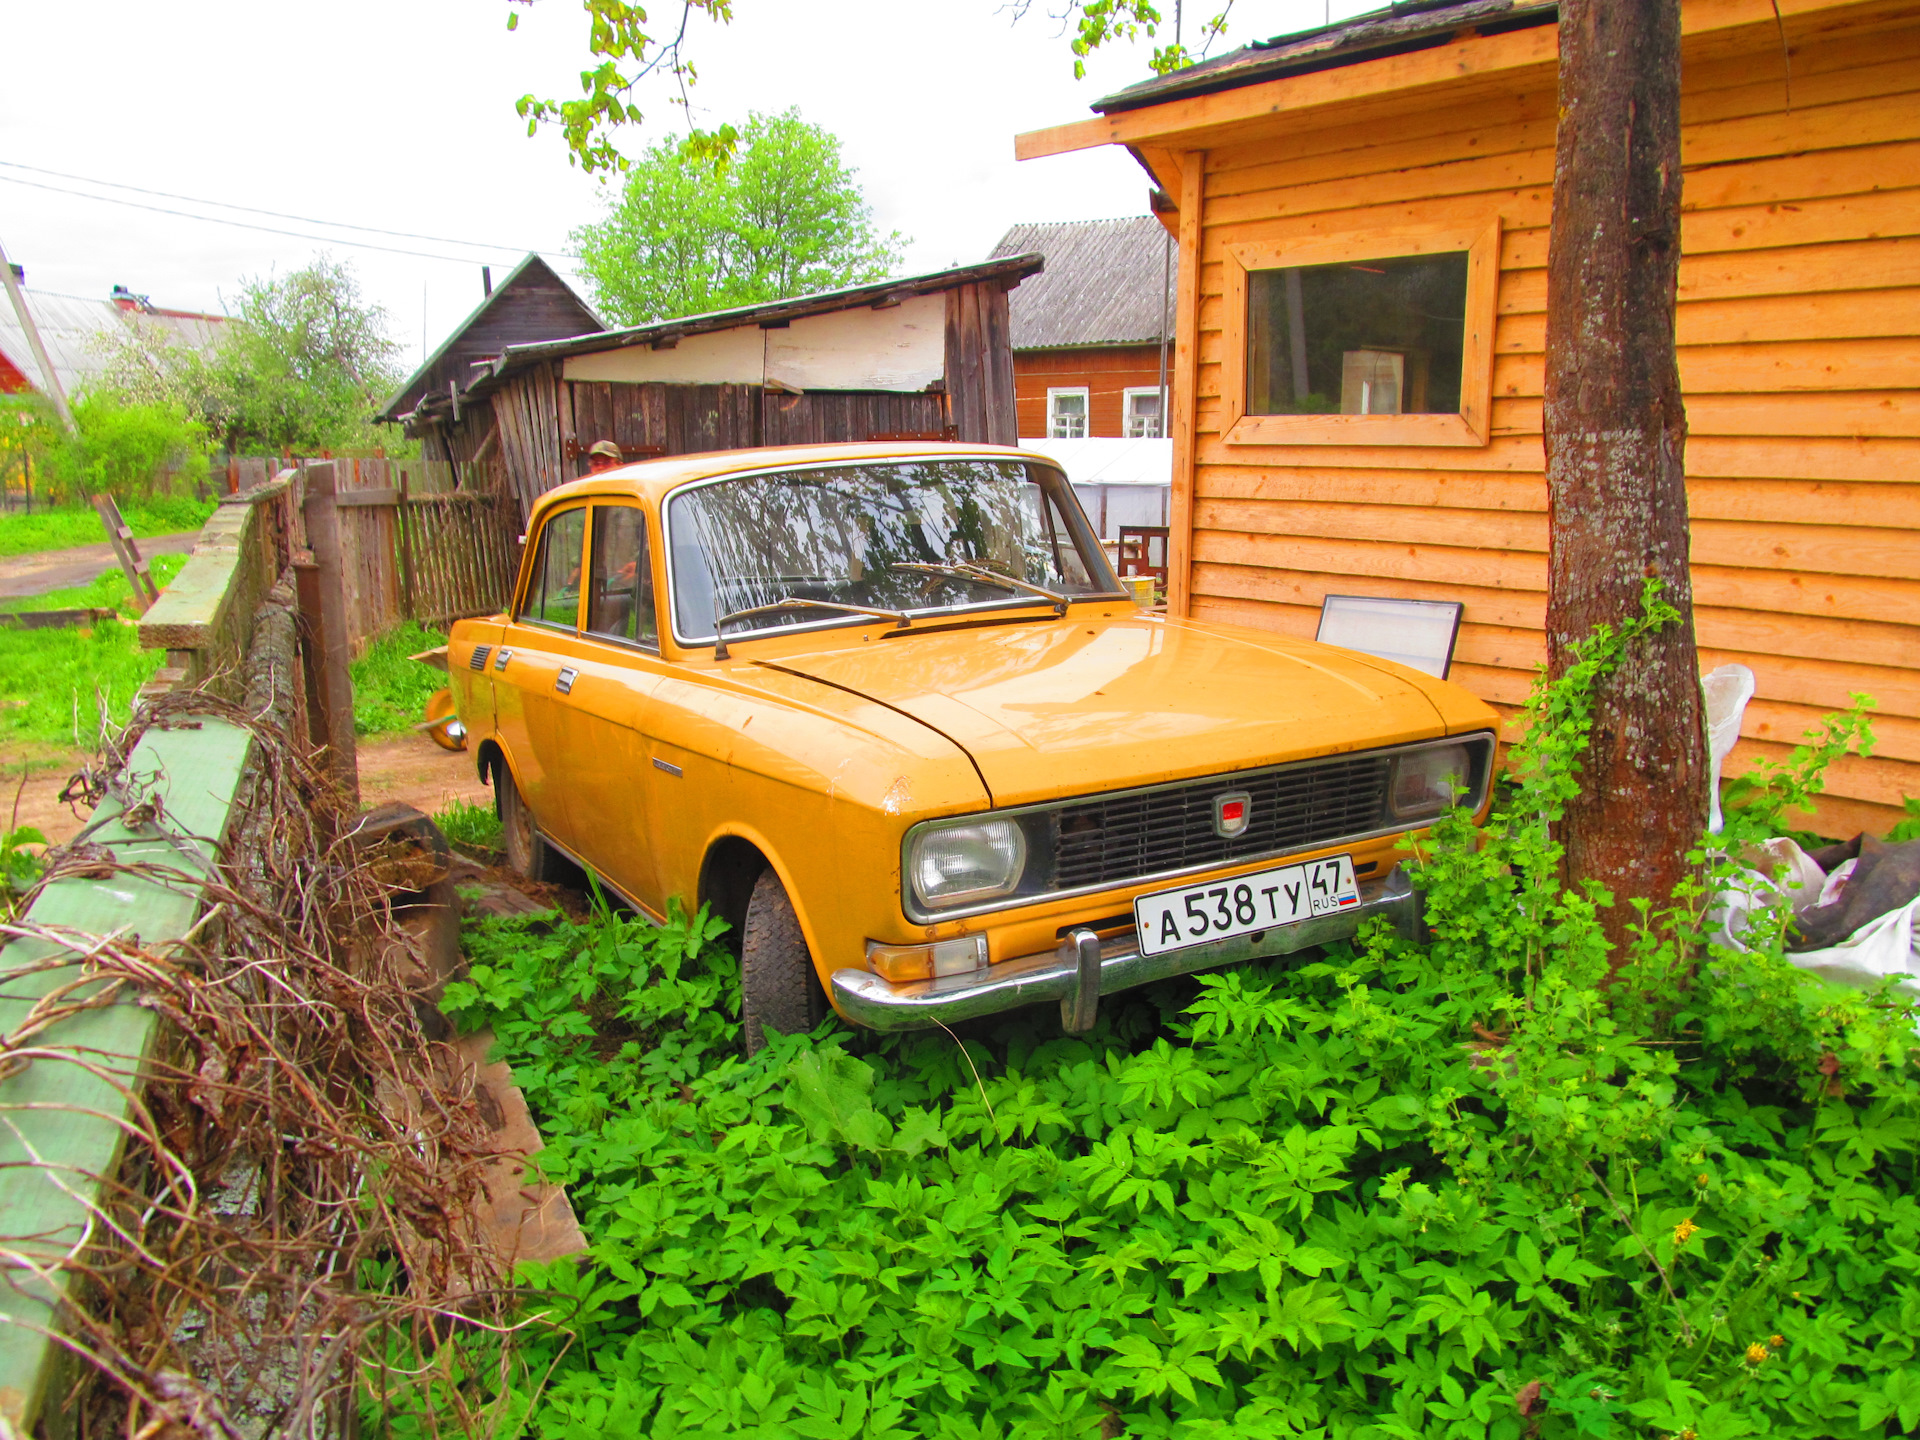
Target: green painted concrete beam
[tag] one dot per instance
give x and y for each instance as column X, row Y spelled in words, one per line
column 56, row 1109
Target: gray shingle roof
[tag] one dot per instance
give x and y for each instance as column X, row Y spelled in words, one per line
column 1102, row 284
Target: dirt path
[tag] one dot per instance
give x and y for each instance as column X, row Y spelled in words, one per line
column 414, row 769
column 39, row 571
column 394, row 767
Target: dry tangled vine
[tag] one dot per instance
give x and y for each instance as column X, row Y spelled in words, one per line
column 301, row 1158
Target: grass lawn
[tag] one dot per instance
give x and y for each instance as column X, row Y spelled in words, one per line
column 70, row 525
column 389, row 690
column 55, row 685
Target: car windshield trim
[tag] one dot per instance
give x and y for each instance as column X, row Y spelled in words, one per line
column 1015, row 601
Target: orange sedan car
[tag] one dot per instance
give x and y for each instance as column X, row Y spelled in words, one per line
column 887, row 710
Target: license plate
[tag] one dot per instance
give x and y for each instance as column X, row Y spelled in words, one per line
column 1221, row 909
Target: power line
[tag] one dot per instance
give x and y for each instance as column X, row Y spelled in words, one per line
column 255, row 210
column 238, row 224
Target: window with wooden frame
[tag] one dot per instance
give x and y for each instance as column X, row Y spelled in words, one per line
column 1067, row 413
column 1376, row 338
column 1141, row 414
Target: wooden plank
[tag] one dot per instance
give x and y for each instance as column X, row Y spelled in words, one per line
column 1846, row 597
column 1876, row 121
column 1843, row 503
column 1862, row 314
column 366, row 499
column 1479, row 176
column 1885, row 214
column 59, row 1107
column 1737, row 456
column 1182, row 380
column 1726, row 370
column 1824, row 173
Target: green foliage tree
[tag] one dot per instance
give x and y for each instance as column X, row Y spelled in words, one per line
column 121, row 447
column 689, row 232
column 301, row 366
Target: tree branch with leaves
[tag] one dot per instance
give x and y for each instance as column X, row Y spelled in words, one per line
column 620, row 38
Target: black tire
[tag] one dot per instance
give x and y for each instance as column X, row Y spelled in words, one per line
column 527, row 854
column 779, row 986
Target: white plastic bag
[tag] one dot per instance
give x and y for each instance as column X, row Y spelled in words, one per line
column 1728, row 689
column 1884, row 946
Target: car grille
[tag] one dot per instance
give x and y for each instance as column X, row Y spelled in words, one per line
column 1117, row 838
column 479, row 660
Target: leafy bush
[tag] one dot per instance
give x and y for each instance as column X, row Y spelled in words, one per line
column 1471, row 1189
column 391, row 690
column 124, row 448
column 19, row 866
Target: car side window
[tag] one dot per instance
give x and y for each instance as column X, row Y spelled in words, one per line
column 553, row 591
column 620, row 599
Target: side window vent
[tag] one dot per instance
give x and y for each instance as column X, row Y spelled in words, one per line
column 479, row 660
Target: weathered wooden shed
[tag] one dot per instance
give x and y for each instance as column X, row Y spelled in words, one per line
column 924, row 356
column 531, row 303
column 1362, row 215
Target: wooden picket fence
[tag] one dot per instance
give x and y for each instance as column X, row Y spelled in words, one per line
column 415, row 548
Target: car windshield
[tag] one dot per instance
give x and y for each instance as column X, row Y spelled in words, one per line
column 912, row 536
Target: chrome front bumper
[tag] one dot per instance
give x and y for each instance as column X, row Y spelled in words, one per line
column 1083, row 963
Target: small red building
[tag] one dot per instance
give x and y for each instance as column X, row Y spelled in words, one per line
column 1090, row 333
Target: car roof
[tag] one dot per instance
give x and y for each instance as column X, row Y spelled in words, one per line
column 652, row 479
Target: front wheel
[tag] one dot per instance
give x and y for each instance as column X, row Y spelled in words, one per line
column 780, row 988
column 527, row 854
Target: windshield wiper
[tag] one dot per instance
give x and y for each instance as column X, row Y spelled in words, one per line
column 796, row 602
column 991, row 577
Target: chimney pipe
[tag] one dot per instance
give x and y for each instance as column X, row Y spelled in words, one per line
column 486, row 278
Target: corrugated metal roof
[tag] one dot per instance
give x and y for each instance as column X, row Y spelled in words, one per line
column 1102, row 285
column 1397, row 29
column 79, row 335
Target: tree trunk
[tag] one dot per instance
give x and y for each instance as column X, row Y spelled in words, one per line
column 1615, row 434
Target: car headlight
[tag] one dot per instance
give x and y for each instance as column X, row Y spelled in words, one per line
column 953, row 864
column 1425, row 782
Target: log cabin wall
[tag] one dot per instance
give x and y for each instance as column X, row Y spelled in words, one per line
column 1799, row 308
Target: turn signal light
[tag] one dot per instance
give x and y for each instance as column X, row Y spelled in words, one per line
column 923, row 962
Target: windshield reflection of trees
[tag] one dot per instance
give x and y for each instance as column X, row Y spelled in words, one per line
column 840, row 534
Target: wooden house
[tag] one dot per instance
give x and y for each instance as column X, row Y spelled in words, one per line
column 530, row 305
column 924, row 356
column 1362, row 214
column 1090, row 336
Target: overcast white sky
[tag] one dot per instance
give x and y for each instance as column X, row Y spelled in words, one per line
column 398, row 114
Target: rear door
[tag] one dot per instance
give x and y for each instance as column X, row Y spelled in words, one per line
column 536, row 667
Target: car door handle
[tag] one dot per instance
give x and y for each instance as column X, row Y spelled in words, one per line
column 500, row 660
column 563, row 682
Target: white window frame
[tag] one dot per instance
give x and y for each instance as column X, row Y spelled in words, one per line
column 1127, row 416
column 1086, row 411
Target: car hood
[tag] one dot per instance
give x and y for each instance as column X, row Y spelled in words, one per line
column 1077, row 705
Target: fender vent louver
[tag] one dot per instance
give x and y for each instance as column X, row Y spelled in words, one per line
column 479, row 660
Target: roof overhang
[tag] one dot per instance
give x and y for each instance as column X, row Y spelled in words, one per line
column 1397, row 57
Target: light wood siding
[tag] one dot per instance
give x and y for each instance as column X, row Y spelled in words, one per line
column 1800, row 308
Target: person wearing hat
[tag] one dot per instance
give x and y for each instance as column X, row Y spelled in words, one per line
column 604, row 455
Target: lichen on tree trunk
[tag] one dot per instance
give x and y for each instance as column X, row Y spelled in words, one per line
column 1616, row 431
